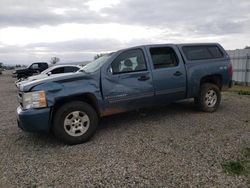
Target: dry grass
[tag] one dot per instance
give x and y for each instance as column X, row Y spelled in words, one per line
column 239, row 88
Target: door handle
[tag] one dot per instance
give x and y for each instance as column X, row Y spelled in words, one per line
column 143, row 78
column 177, row 73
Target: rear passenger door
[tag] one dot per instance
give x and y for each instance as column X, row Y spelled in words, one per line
column 168, row 71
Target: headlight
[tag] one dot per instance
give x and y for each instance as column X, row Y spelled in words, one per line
column 35, row 99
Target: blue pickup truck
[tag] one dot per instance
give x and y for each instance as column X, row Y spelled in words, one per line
column 128, row 79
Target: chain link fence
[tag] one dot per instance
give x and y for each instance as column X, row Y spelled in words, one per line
column 241, row 66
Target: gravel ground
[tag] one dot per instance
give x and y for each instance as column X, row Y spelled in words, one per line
column 172, row 146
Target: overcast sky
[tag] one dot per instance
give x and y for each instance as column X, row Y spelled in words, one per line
column 76, row 30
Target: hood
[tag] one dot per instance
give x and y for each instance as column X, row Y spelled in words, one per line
column 31, row 78
column 64, row 77
column 19, row 70
column 37, row 77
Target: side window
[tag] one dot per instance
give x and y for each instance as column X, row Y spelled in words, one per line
column 43, row 65
column 202, row 52
column 58, row 70
column 129, row 61
column 70, row 69
column 34, row 66
column 163, row 57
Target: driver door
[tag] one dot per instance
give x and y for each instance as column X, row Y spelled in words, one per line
column 34, row 69
column 128, row 82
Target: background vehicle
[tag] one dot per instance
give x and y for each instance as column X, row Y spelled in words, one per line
column 125, row 80
column 56, row 69
column 1, row 68
column 34, row 68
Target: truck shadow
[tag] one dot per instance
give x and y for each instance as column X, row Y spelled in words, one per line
column 117, row 122
column 147, row 114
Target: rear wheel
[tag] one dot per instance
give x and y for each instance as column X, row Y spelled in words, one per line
column 75, row 122
column 209, row 98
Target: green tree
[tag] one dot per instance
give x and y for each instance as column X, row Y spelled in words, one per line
column 99, row 55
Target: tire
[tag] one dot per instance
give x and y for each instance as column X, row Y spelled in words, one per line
column 209, row 98
column 75, row 122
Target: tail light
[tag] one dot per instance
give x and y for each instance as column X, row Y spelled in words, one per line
column 231, row 70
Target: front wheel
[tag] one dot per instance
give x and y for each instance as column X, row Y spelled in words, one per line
column 75, row 122
column 209, row 98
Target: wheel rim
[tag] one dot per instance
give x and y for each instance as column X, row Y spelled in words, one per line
column 76, row 123
column 211, row 98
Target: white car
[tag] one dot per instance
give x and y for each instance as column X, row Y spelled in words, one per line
column 54, row 70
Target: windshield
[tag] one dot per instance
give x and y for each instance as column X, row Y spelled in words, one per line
column 95, row 65
column 47, row 70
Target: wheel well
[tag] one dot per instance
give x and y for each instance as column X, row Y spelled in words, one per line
column 86, row 97
column 215, row 79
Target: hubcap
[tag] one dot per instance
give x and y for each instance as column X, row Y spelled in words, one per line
column 76, row 123
column 211, row 98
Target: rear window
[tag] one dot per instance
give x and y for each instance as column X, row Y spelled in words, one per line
column 202, row 52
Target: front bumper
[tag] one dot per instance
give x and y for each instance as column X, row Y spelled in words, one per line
column 34, row 120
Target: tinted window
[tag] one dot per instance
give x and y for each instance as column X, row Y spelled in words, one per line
column 129, row 61
column 43, row 65
column 70, row 69
column 202, row 52
column 58, row 70
column 215, row 51
column 163, row 57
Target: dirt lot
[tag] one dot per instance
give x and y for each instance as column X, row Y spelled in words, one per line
column 174, row 146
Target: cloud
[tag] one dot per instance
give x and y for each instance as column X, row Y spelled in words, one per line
column 36, row 13
column 76, row 30
column 67, row 51
column 20, row 35
column 202, row 17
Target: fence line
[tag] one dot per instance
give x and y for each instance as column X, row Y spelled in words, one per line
column 241, row 65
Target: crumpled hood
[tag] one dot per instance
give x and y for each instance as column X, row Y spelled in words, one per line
column 55, row 78
column 38, row 77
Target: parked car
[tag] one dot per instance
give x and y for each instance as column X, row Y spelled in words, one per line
column 56, row 69
column 34, row 68
column 128, row 79
column 1, row 68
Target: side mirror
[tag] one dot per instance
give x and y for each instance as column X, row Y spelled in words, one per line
column 110, row 70
column 49, row 73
